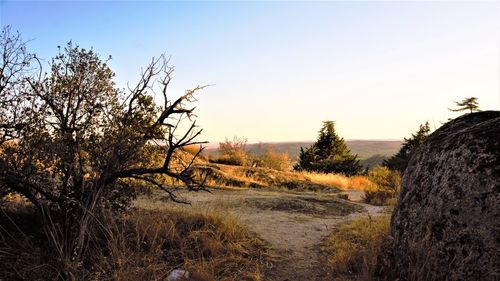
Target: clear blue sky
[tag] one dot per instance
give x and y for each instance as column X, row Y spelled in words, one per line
column 378, row 69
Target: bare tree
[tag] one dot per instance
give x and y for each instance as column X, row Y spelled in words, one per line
column 75, row 135
column 15, row 65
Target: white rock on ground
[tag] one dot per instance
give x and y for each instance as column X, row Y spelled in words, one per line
column 178, row 275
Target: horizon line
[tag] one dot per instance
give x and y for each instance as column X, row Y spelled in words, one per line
column 211, row 143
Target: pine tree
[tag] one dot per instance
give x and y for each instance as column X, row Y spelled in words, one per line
column 400, row 160
column 329, row 154
column 470, row 104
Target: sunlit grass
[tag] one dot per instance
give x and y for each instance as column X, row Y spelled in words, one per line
column 338, row 180
column 353, row 247
column 207, row 243
column 253, row 177
column 139, row 245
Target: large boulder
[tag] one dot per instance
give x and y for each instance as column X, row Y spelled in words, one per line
column 446, row 225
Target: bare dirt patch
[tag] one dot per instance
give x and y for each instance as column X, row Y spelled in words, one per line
column 306, row 205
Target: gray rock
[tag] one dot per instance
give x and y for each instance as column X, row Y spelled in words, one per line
column 178, row 275
column 446, row 225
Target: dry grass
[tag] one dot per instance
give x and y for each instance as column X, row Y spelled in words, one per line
column 385, row 187
column 139, row 245
column 338, row 180
column 352, row 249
column 220, row 175
column 360, row 183
column 254, row 177
column 209, row 244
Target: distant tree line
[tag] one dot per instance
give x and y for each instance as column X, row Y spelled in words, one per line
column 330, row 154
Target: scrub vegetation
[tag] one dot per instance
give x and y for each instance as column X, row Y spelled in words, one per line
column 82, row 163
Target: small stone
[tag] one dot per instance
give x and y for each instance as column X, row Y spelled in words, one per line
column 178, row 275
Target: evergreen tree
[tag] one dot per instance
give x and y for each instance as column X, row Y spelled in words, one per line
column 470, row 104
column 400, row 160
column 329, row 154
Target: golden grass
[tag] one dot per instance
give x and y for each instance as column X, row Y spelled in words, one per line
column 352, row 249
column 145, row 245
column 209, row 244
column 338, row 180
column 220, row 175
column 360, row 183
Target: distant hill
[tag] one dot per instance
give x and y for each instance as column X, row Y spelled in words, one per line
column 364, row 148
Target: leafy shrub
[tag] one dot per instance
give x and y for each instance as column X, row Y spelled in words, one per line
column 385, row 187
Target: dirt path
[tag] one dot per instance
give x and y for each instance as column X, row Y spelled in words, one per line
column 294, row 224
